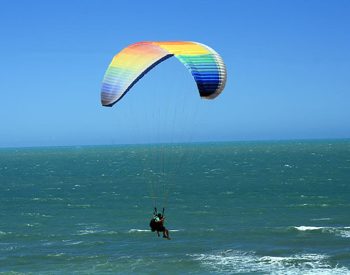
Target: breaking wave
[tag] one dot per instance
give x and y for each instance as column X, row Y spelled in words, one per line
column 232, row 262
column 343, row 232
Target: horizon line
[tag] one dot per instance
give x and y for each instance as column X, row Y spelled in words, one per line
column 178, row 143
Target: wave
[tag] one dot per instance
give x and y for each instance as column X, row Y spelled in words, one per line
column 233, row 262
column 308, row 228
column 30, row 214
column 56, row 254
column 79, row 205
column 309, row 205
column 71, row 243
column 321, row 219
column 32, row 224
column 96, row 232
column 138, row 230
column 343, row 232
column 85, row 232
column 46, row 199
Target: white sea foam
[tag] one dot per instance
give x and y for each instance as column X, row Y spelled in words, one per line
column 30, row 225
column 88, row 232
column 35, row 215
column 310, row 205
column 56, row 255
column 138, row 230
column 79, row 205
column 232, row 262
column 73, row 243
column 308, row 228
column 47, row 199
column 10, row 247
column 228, row 193
column 343, row 232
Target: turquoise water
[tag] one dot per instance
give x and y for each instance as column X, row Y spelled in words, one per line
column 247, row 208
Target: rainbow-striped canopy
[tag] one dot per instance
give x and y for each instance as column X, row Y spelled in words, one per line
column 134, row 61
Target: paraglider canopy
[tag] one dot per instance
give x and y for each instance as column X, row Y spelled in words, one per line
column 134, row 61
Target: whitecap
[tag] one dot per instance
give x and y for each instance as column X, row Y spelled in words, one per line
column 321, row 219
column 138, row 230
column 343, row 232
column 79, row 205
column 30, row 225
column 233, row 262
column 88, row 231
column 307, row 228
column 74, row 243
column 55, row 255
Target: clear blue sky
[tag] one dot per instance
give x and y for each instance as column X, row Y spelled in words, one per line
column 287, row 62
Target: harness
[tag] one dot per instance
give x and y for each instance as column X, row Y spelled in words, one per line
column 154, row 223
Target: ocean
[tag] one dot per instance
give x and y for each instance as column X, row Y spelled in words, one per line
column 232, row 208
